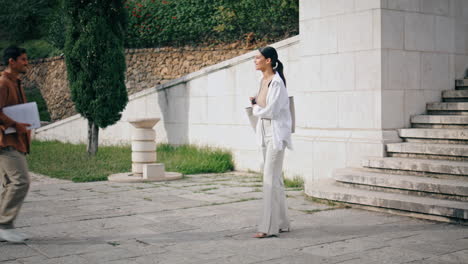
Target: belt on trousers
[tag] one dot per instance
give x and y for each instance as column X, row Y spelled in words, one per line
column 8, row 148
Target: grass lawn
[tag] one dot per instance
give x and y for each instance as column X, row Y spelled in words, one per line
column 71, row 161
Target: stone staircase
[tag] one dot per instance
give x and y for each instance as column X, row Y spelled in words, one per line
column 424, row 176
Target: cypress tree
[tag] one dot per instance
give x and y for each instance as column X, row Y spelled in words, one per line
column 95, row 59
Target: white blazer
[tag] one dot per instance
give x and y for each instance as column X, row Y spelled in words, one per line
column 276, row 109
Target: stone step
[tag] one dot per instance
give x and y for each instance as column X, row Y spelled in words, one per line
column 361, row 176
column 447, row 106
column 426, row 156
column 429, row 149
column 445, row 167
column 326, row 189
column 435, row 135
column 461, row 84
column 455, row 95
column 439, row 121
column 447, row 112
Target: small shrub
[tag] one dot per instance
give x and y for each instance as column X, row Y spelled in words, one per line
column 296, row 182
column 33, row 94
column 39, row 48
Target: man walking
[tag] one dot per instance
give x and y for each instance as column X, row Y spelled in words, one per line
column 13, row 147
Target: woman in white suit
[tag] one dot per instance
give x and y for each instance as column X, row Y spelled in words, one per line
column 273, row 131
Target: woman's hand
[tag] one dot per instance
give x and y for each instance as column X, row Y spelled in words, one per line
column 252, row 100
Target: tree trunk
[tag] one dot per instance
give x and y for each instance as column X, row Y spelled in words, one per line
column 93, row 138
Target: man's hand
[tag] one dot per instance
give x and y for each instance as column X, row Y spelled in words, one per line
column 21, row 128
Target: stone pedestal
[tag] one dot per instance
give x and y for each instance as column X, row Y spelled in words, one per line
column 143, row 143
column 144, row 166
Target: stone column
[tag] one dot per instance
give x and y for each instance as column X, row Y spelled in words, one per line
column 143, row 143
column 144, row 166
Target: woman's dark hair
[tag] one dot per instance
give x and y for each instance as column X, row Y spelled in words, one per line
column 270, row 53
column 12, row 52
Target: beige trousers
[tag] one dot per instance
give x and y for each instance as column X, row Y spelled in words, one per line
column 274, row 216
column 15, row 181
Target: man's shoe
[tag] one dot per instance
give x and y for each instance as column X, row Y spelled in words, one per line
column 11, row 235
column 263, row 235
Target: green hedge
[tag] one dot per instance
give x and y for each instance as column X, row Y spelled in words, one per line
column 176, row 22
column 41, row 24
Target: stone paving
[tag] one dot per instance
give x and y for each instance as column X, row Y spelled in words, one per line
column 211, row 219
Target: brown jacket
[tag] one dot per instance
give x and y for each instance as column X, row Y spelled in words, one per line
column 11, row 93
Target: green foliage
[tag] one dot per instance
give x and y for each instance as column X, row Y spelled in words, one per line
column 171, row 22
column 56, row 28
column 33, row 94
column 153, row 22
column 164, row 22
column 39, row 49
column 69, row 161
column 34, row 48
column 3, row 45
column 25, row 23
column 265, row 18
column 189, row 159
column 25, row 19
column 95, row 59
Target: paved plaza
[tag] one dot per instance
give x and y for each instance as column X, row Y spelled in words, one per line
column 211, row 219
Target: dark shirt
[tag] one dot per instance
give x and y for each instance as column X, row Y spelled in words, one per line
column 11, row 93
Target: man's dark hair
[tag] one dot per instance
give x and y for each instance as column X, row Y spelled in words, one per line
column 12, row 52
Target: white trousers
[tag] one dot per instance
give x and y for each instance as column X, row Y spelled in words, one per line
column 274, row 216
